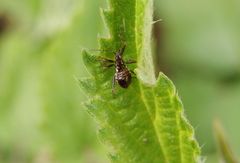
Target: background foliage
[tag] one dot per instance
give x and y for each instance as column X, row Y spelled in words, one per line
column 41, row 119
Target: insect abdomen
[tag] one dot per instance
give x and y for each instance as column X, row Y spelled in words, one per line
column 123, row 78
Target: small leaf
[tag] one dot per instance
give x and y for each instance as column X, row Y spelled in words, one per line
column 88, row 85
column 225, row 150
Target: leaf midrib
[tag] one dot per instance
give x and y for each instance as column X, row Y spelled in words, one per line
column 152, row 124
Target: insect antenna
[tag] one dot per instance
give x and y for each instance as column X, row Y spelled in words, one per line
column 105, row 62
column 101, row 50
column 122, row 33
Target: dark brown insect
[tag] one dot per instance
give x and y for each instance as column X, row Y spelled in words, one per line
column 122, row 74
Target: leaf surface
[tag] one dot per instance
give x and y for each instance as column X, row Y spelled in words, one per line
column 145, row 122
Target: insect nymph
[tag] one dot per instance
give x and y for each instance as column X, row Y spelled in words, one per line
column 123, row 75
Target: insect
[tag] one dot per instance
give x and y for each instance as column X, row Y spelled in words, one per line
column 123, row 75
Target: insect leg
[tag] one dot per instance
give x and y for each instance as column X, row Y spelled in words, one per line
column 102, row 59
column 130, row 61
column 110, row 65
column 133, row 73
column 121, row 50
column 106, row 62
column 113, row 84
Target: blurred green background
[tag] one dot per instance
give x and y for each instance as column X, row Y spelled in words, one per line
column 41, row 118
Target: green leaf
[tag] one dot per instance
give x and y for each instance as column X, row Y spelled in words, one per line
column 225, row 150
column 145, row 122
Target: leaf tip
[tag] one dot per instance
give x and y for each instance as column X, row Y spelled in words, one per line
column 165, row 84
column 90, row 61
column 88, row 85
